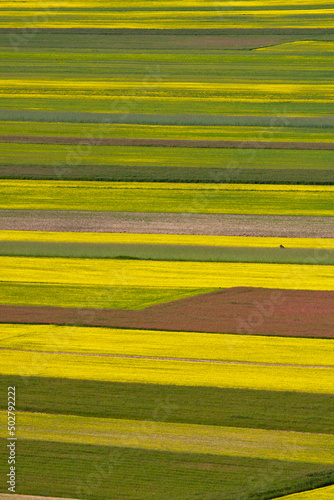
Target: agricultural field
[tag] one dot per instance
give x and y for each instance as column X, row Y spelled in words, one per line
column 167, row 249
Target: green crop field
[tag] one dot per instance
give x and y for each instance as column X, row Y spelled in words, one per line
column 189, row 476
column 167, row 252
column 105, row 297
column 108, row 130
column 252, row 408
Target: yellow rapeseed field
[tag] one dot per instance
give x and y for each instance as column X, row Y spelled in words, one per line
column 326, row 493
column 247, row 348
column 165, row 372
column 223, row 91
column 176, row 437
column 167, row 239
column 166, row 274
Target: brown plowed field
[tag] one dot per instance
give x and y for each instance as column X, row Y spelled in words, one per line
column 166, row 143
column 242, row 310
column 167, row 223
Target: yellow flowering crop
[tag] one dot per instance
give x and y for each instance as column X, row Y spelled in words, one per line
column 166, row 274
column 183, row 373
column 176, row 437
column 167, row 239
column 247, row 348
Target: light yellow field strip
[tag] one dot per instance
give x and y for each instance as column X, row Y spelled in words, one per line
column 182, row 438
column 182, row 373
column 167, row 239
column 132, row 273
column 326, row 493
column 182, row 345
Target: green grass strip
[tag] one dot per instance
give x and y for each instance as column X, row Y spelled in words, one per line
column 112, row 297
column 269, row 120
column 290, row 411
column 104, row 472
column 197, row 253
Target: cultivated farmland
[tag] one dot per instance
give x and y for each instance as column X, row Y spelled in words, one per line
column 166, row 249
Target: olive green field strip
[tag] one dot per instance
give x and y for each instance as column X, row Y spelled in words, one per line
column 13, row 496
column 174, row 143
column 95, row 132
column 81, row 296
column 185, row 346
column 167, row 197
column 166, row 239
column 168, row 252
column 95, row 122
column 308, row 412
column 181, row 438
column 166, row 372
column 168, row 174
column 174, row 274
column 61, row 156
column 282, row 81
column 60, row 469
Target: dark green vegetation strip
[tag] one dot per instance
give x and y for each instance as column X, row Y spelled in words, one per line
column 289, row 411
column 169, row 119
column 113, row 297
column 199, row 253
column 91, row 472
column 169, row 174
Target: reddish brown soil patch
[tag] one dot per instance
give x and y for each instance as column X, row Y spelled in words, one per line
column 242, row 310
column 170, row 143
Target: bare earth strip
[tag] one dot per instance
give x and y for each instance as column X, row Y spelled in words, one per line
column 171, row 143
column 242, row 310
column 167, row 223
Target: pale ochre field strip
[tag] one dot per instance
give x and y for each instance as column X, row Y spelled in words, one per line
column 164, row 344
column 166, row 239
column 174, row 437
column 181, row 373
column 326, row 493
column 164, row 274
